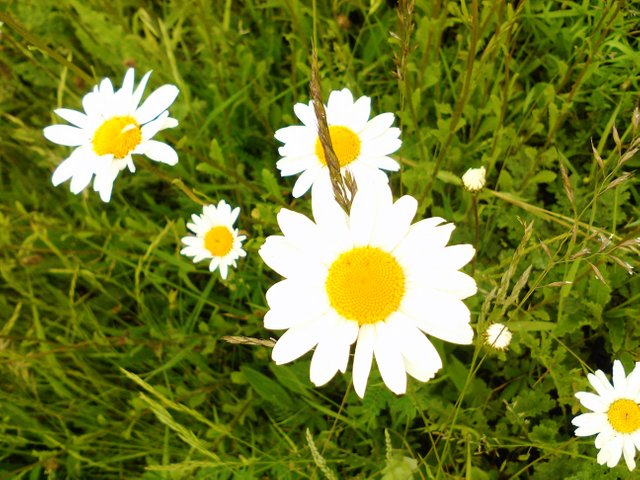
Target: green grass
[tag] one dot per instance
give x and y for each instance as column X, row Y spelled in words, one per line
column 112, row 362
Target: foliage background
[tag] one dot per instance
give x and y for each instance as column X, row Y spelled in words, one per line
column 111, row 358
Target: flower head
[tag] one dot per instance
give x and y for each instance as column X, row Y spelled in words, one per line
column 498, row 336
column 112, row 128
column 474, row 179
column 614, row 416
column 361, row 145
column 369, row 277
column 215, row 238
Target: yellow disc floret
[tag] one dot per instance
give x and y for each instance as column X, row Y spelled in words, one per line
column 365, row 284
column 117, row 136
column 218, row 241
column 624, row 415
column 345, row 143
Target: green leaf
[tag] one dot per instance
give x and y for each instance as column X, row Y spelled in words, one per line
column 269, row 390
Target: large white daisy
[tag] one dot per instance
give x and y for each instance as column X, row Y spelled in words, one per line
column 371, row 278
column 614, row 416
column 112, row 128
column 215, row 238
column 361, row 145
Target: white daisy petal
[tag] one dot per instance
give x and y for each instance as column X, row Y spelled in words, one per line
column 604, row 437
column 137, row 94
column 331, row 354
column 65, row 135
column 361, row 112
column 160, row 152
column 362, row 358
column 385, row 163
column 91, row 104
column 389, row 360
column 377, row 126
column 290, row 134
column 127, row 83
column 603, row 456
column 629, row 451
column 633, row 379
column 297, row 341
column 421, row 359
column 389, row 234
column 280, row 255
column 306, row 115
column 65, row 170
column 74, row 117
column 600, row 382
column 291, row 166
column 365, row 212
column 81, row 178
column 589, row 424
column 154, row 126
column 222, row 266
column 305, row 181
column 619, row 377
column 292, row 303
column 156, row 103
column 615, row 451
column 439, row 315
column 592, row 402
column 103, row 182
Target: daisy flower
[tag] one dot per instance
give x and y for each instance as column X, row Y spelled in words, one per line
column 369, row 277
column 215, row 238
column 361, row 145
column 614, row 416
column 112, row 128
column 498, row 336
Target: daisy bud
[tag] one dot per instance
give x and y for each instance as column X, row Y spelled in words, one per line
column 474, row 179
column 498, row 336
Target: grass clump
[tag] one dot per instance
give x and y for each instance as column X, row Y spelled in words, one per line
column 114, row 349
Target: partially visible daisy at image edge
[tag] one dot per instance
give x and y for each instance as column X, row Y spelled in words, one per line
column 361, row 145
column 369, row 278
column 112, row 128
column 614, row 416
column 215, row 238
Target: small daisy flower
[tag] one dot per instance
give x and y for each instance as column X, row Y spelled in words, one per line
column 498, row 336
column 614, row 416
column 361, row 145
column 474, row 179
column 112, row 128
column 215, row 238
column 369, row 278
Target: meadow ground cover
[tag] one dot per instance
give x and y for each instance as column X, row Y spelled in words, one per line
column 122, row 358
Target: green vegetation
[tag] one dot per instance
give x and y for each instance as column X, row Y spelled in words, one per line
column 112, row 361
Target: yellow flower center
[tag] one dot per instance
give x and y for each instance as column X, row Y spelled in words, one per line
column 345, row 143
column 218, row 241
column 624, row 415
column 365, row 285
column 118, row 136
